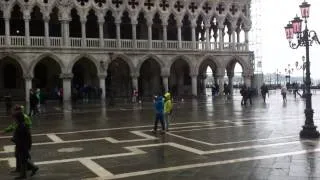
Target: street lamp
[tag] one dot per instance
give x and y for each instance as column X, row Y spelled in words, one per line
column 289, row 71
column 304, row 38
column 303, row 67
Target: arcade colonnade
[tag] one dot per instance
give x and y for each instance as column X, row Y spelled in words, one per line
column 149, row 74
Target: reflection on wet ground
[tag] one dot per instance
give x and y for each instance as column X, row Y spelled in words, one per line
column 208, row 139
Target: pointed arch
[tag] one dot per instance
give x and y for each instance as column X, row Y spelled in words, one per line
column 18, row 59
column 126, row 59
column 47, row 55
column 150, row 56
column 81, row 56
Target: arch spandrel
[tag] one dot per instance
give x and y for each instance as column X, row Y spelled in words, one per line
column 47, row 55
column 145, row 58
column 79, row 57
column 17, row 59
column 125, row 58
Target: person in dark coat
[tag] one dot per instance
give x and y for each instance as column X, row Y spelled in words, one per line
column 23, row 141
column 8, row 102
column 264, row 92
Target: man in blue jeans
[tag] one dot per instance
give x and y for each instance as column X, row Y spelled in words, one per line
column 159, row 106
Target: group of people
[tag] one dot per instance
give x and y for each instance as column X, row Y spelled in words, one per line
column 247, row 93
column 37, row 102
column 23, row 141
column 163, row 107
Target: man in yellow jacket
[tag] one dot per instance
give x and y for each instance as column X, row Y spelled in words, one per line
column 167, row 109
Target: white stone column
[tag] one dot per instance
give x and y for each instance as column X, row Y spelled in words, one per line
column 149, row 24
column 102, row 83
column 66, row 84
column 165, row 81
column 65, row 32
column 134, row 35
column 165, row 33
column 247, row 80
column 193, row 35
column 46, row 32
column 7, row 31
column 27, row 30
column 118, row 34
column 194, row 82
column 233, row 40
column 28, row 87
column 207, row 37
column 83, row 33
column 220, row 79
column 246, row 33
column 221, row 38
column 101, row 38
column 230, row 83
column 134, row 79
column 179, row 25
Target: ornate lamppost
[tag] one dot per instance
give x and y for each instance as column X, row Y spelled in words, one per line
column 303, row 67
column 305, row 38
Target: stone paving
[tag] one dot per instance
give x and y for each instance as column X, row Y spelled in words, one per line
column 208, row 139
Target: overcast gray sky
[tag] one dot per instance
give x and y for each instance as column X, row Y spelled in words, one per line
column 276, row 53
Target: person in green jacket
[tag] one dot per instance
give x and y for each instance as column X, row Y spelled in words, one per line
column 12, row 127
column 167, row 109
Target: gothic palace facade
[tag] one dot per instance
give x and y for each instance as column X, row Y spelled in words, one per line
column 121, row 45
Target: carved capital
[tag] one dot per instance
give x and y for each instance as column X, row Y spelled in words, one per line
column 66, row 76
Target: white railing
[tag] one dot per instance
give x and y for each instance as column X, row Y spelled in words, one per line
column 36, row 41
column 2, row 40
column 126, row 44
column 142, row 44
column 241, row 46
column 173, row 44
column 157, row 44
column 93, row 42
column 110, row 43
column 186, row 44
column 17, row 40
column 55, row 41
column 75, row 42
column 201, row 45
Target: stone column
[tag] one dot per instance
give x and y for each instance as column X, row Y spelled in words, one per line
column 230, row 83
column 165, row 81
column 27, row 30
column 247, row 80
column 65, row 32
column 83, row 32
column 7, row 31
column 134, row 79
column 28, row 87
column 194, row 82
column 165, row 35
column 220, row 79
column 149, row 24
column 134, row 34
column 221, row 38
column 246, row 32
column 118, row 33
column 179, row 25
column 193, row 33
column 102, row 83
column 207, row 37
column 46, row 31
column 101, row 38
column 66, row 84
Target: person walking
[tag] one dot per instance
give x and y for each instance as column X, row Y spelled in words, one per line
column 284, row 93
column 167, row 109
column 159, row 106
column 23, row 141
column 264, row 92
column 244, row 94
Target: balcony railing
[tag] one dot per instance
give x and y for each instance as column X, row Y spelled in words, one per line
column 57, row 42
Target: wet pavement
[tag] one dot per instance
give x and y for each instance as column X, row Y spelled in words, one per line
column 208, row 139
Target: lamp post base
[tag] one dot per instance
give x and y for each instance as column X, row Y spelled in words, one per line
column 309, row 132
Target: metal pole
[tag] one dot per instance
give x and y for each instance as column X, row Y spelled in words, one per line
column 309, row 129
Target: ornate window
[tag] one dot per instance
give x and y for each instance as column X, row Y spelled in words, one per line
column 193, row 7
column 233, row 9
column 178, row 6
column 133, row 3
column 206, row 7
column 164, row 4
column 149, row 4
column 117, row 3
column 220, row 8
column 82, row 2
column 100, row 2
